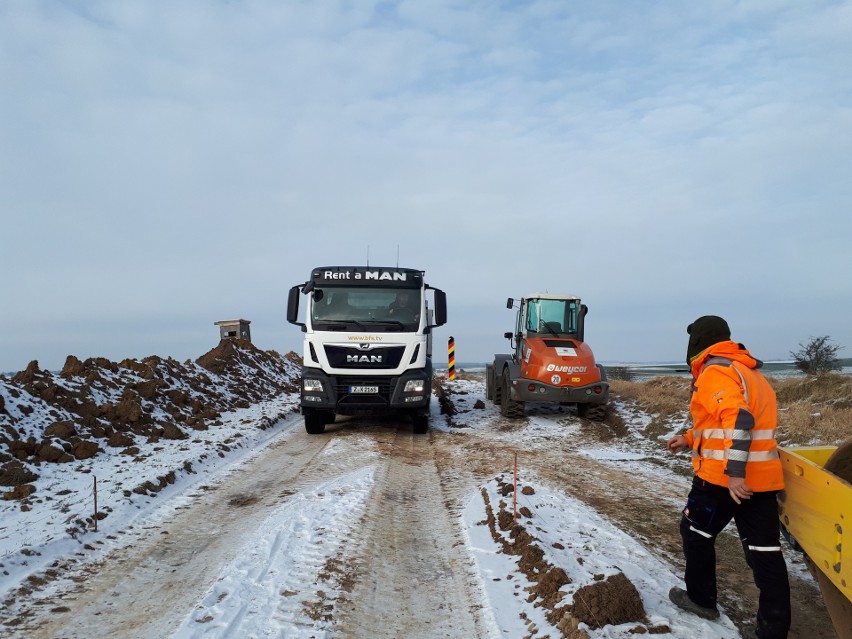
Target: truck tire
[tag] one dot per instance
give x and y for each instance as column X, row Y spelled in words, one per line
column 508, row 406
column 314, row 422
column 420, row 424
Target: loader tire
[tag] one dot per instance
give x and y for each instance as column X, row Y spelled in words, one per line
column 508, row 406
column 497, row 392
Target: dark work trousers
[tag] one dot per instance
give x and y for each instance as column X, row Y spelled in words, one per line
column 709, row 509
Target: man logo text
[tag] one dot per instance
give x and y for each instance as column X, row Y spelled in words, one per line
column 364, row 359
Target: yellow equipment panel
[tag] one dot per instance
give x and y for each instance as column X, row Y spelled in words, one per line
column 816, row 508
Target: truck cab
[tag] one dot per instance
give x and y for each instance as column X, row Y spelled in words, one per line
column 368, row 343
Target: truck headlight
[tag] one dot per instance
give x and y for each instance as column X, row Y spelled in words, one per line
column 414, row 386
column 312, row 385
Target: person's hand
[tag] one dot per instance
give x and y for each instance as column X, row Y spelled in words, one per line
column 739, row 489
column 677, row 443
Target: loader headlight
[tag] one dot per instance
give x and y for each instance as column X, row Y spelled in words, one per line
column 414, row 386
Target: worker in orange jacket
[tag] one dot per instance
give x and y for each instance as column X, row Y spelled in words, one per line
column 737, row 476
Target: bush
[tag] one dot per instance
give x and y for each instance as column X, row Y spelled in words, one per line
column 817, row 357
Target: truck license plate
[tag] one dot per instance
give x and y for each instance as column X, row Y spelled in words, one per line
column 363, row 390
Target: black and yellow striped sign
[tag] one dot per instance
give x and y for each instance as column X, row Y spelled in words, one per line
column 451, row 357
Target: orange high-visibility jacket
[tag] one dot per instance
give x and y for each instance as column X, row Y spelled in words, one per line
column 734, row 415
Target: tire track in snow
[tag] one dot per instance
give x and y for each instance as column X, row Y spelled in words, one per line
column 269, row 590
column 413, row 576
column 145, row 588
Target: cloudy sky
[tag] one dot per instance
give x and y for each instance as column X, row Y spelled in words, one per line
column 164, row 165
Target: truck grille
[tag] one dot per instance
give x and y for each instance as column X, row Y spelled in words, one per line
column 375, row 358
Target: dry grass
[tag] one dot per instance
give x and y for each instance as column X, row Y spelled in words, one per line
column 664, row 395
column 812, row 411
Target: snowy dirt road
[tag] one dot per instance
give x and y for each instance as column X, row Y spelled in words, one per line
column 370, row 531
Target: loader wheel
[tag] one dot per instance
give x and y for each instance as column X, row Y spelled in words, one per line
column 508, row 406
column 839, row 607
column 497, row 393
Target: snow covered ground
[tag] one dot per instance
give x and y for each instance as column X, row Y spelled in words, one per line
column 33, row 539
column 286, row 579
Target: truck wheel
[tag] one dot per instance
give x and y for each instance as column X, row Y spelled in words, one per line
column 314, row 422
column 420, row 424
column 508, row 406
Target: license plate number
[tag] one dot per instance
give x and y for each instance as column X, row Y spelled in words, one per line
column 363, row 390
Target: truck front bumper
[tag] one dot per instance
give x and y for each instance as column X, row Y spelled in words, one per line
column 366, row 394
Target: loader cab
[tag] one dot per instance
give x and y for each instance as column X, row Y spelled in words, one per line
column 543, row 315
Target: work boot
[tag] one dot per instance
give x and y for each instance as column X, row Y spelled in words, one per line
column 681, row 600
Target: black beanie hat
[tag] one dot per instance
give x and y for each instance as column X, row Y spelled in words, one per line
column 704, row 332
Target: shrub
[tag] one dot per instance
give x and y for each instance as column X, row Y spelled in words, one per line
column 817, row 357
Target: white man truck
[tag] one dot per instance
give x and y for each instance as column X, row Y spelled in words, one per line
column 368, row 343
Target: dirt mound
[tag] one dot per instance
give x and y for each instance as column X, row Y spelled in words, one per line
column 840, row 462
column 93, row 405
column 610, row 602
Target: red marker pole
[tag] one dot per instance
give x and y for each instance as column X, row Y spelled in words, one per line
column 515, row 489
column 451, row 357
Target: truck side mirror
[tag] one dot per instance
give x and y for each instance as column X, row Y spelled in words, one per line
column 293, row 306
column 440, row 307
column 510, row 303
column 508, row 334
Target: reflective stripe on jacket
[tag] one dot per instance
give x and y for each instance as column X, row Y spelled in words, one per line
column 734, row 415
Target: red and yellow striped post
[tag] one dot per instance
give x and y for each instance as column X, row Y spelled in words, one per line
column 451, row 357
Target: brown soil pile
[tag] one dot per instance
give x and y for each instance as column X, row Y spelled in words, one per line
column 612, row 601
column 96, row 404
column 840, row 462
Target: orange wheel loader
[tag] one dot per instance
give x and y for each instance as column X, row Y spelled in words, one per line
column 550, row 362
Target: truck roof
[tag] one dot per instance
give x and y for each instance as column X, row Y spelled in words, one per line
column 372, row 276
column 551, row 296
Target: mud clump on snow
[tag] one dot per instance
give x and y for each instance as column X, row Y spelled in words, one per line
column 96, row 405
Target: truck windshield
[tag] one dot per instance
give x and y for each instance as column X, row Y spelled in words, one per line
column 552, row 317
column 361, row 308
